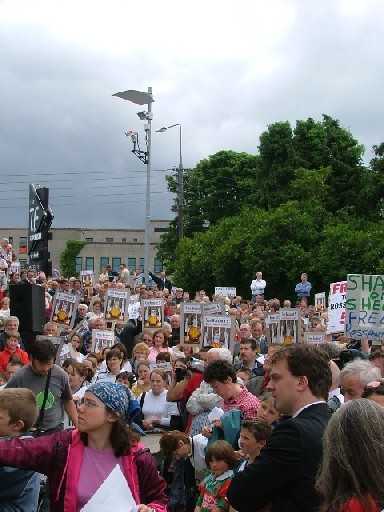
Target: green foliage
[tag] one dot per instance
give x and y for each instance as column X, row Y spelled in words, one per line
column 305, row 202
column 68, row 257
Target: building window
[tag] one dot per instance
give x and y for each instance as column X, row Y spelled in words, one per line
column 116, row 262
column 89, row 263
column 79, row 264
column 10, row 238
column 134, row 240
column 131, row 264
column 123, row 240
column 161, row 230
column 142, row 264
column 104, row 261
column 158, row 265
column 109, row 240
column 23, row 245
column 89, row 240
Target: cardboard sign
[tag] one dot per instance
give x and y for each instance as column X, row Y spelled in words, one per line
column 336, row 307
column 289, row 326
column 102, row 339
column 320, row 301
column 64, row 308
column 116, row 305
column 218, row 331
column 314, row 337
column 365, row 306
column 225, row 291
column 213, row 308
column 87, row 278
column 273, row 328
column 152, row 313
column 191, row 323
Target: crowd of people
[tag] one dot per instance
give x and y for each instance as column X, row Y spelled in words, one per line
column 252, row 426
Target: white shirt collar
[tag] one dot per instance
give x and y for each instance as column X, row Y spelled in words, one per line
column 306, row 406
column 337, row 393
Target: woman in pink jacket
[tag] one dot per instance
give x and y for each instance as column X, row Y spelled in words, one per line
column 77, row 462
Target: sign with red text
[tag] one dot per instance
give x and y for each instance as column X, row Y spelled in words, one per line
column 336, row 307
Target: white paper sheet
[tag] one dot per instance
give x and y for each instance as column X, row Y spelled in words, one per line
column 113, row 491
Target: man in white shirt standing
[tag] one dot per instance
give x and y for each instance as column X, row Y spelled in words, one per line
column 258, row 286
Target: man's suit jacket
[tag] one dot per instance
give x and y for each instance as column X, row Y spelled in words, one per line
column 161, row 283
column 284, row 474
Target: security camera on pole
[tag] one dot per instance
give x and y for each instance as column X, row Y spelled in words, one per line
column 143, row 98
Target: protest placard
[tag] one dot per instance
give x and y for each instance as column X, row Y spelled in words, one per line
column 213, row 308
column 218, row 331
column 272, row 323
column 225, row 291
column 365, row 307
column 152, row 313
column 87, row 278
column 314, row 337
column 116, row 305
column 64, row 308
column 102, row 339
column 336, row 307
column 62, row 349
column 320, row 301
column 289, row 326
column 191, row 323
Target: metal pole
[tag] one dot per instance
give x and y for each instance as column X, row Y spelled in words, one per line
column 148, row 193
column 180, row 189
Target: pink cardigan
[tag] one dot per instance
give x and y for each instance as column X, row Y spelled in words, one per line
column 59, row 456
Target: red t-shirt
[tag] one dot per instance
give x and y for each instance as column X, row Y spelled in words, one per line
column 192, row 384
column 355, row 505
column 5, row 356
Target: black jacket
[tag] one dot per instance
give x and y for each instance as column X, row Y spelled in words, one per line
column 161, row 283
column 284, row 473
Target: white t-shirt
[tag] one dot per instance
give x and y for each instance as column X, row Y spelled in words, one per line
column 258, row 286
column 156, row 406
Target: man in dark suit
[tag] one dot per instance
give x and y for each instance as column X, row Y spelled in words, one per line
column 283, row 476
column 162, row 281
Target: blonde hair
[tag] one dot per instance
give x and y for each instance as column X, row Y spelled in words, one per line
column 140, row 347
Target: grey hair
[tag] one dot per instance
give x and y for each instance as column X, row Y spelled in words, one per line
column 222, row 353
column 366, row 371
column 353, row 457
column 12, row 319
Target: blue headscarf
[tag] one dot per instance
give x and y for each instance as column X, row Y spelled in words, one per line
column 114, row 396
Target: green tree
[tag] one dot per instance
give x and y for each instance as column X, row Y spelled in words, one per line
column 68, row 257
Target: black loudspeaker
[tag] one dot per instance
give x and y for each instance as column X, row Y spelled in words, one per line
column 28, row 304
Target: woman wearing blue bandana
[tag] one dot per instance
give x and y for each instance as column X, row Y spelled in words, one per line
column 77, row 462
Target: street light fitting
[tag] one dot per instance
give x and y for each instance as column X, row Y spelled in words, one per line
column 162, row 129
column 137, row 97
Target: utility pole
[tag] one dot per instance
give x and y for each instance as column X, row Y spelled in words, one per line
column 180, row 190
column 148, row 131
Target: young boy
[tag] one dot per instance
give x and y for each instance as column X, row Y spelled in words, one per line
column 19, row 489
column 184, row 461
column 12, row 349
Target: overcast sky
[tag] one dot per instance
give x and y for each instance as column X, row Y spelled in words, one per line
column 224, row 69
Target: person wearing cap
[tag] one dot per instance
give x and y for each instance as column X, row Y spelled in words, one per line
column 78, row 461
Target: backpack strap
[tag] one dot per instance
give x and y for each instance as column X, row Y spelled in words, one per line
column 142, row 398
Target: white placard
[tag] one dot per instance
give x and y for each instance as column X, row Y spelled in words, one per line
column 225, row 291
column 336, row 307
column 218, row 331
column 102, row 339
column 64, row 308
column 191, row 323
column 116, row 305
column 314, row 337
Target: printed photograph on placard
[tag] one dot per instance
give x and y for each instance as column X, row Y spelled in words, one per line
column 87, row 278
column 218, row 332
column 320, row 301
column 191, row 323
column 116, row 305
column 152, row 312
column 64, row 308
column 102, row 339
column 273, row 328
column 289, row 326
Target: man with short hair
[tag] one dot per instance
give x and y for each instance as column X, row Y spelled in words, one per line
column 174, row 339
column 162, row 281
column 124, row 274
column 282, row 478
column 50, row 384
column 248, row 357
column 257, row 332
column 355, row 376
column 303, row 289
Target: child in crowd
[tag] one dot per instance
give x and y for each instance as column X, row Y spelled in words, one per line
column 267, row 410
column 19, row 488
column 254, row 435
column 221, row 459
column 12, row 348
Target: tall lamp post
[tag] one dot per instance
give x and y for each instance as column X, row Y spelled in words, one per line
column 143, row 98
column 180, row 179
